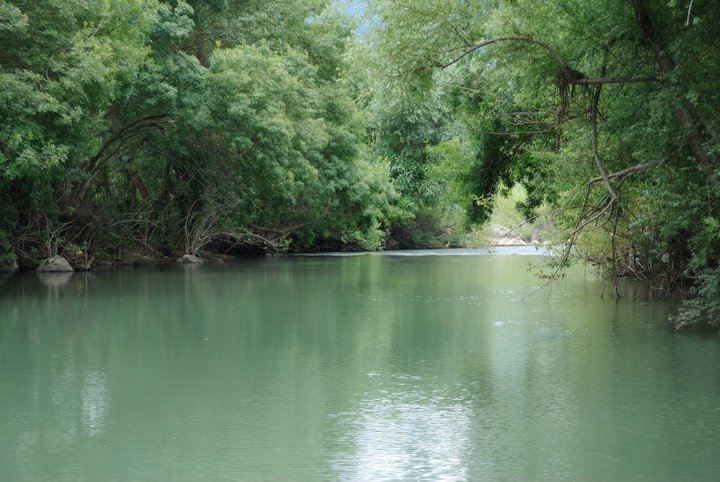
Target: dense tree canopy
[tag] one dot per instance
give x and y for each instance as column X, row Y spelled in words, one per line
column 170, row 126
column 604, row 111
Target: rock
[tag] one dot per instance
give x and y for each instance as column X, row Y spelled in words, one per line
column 219, row 257
column 502, row 236
column 134, row 259
column 189, row 259
column 539, row 232
column 275, row 254
column 500, row 231
column 56, row 264
column 509, row 241
column 7, row 268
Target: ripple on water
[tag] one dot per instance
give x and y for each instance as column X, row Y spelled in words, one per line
column 400, row 431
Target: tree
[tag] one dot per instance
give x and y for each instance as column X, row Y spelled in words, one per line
column 610, row 95
column 127, row 119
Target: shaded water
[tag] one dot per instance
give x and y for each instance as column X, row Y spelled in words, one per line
column 348, row 368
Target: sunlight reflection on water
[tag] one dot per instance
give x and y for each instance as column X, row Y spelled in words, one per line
column 398, row 434
column 95, row 402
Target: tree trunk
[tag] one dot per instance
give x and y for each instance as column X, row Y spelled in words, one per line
column 695, row 132
column 134, row 177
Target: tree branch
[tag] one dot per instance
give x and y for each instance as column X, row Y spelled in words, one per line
column 593, row 120
column 614, row 80
column 163, row 118
column 282, row 232
column 695, row 132
column 517, row 38
column 578, row 78
column 687, row 22
column 624, row 172
column 114, row 147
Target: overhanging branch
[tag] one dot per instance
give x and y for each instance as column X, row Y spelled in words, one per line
column 516, row 38
column 569, row 75
column 624, row 172
column 614, row 80
column 115, row 146
column 593, row 119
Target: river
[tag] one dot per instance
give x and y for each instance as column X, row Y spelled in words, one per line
column 448, row 366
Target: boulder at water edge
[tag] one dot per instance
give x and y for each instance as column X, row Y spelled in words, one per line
column 135, row 259
column 56, row 264
column 189, row 259
column 7, row 268
column 509, row 241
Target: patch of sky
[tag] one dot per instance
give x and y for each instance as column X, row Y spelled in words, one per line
column 355, row 8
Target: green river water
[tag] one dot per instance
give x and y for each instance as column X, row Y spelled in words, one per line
column 376, row 367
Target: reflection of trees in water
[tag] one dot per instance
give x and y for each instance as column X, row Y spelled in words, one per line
column 95, row 402
column 5, row 279
column 54, row 280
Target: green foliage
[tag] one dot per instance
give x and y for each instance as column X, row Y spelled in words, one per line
column 703, row 310
column 404, row 126
column 131, row 120
column 8, row 258
column 164, row 124
column 521, row 112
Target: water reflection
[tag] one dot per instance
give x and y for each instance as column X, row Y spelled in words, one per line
column 95, row 402
column 54, row 280
column 352, row 368
column 406, row 434
column 5, row 278
column 63, row 429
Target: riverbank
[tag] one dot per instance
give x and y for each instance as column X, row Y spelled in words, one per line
column 58, row 264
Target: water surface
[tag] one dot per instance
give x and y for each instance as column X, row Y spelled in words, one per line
column 349, row 368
